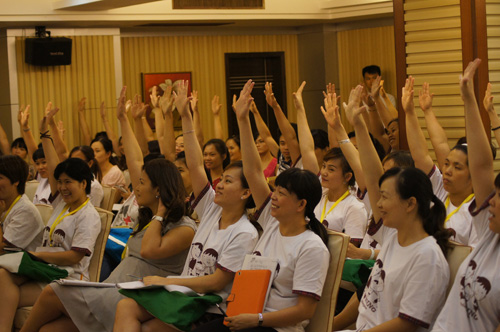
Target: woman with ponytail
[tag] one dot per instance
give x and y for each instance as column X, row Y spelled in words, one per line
column 291, row 234
column 408, row 282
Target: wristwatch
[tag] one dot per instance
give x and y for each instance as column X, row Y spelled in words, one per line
column 261, row 319
column 160, row 219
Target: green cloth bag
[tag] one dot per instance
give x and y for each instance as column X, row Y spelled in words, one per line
column 357, row 271
column 22, row 264
column 174, row 308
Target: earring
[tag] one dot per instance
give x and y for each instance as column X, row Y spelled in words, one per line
column 157, row 196
column 242, row 198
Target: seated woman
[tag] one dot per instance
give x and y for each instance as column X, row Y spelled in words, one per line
column 409, row 279
column 233, row 148
column 473, row 303
column 69, row 237
column 224, row 229
column 85, row 153
column 267, row 161
column 21, row 223
column 214, row 157
column 42, row 194
column 296, row 242
column 111, row 174
column 158, row 246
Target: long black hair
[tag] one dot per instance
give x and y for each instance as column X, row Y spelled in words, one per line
column 88, row 152
column 305, row 185
column 412, row 182
column 164, row 175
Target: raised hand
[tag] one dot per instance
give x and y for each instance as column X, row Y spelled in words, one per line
column 270, row 99
column 181, row 99
column 102, row 111
column 242, row 105
column 467, row 79
column 138, row 108
column 376, row 85
column 425, row 97
column 297, row 97
column 60, row 127
column 50, row 112
column 488, row 100
column 121, row 108
column 253, row 108
column 331, row 109
column 216, row 106
column 155, row 98
column 193, row 101
column 352, row 109
column 407, row 98
column 81, row 105
column 23, row 116
column 167, row 101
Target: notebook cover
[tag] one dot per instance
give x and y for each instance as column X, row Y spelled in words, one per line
column 249, row 292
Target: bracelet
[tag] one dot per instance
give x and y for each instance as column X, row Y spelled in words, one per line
column 45, row 135
column 188, row 132
column 496, row 128
column 26, row 130
column 344, row 141
column 372, row 255
column 261, row 319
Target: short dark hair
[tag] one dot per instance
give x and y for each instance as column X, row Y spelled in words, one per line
column 320, row 138
column 154, row 147
column 16, row 170
column 401, row 158
column 221, row 148
column 38, row 154
column 19, row 143
column 236, row 140
column 336, row 154
column 239, row 164
column 76, row 169
column 372, row 69
column 88, row 152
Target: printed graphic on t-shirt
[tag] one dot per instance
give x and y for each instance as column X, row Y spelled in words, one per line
column 374, row 287
column 202, row 262
column 258, row 253
column 57, row 238
column 473, row 288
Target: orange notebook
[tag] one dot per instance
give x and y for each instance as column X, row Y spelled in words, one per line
column 249, row 292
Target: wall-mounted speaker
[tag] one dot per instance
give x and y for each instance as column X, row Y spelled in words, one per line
column 48, row 51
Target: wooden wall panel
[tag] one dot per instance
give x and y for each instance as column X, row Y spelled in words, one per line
column 363, row 47
column 91, row 74
column 203, row 56
column 434, row 55
column 493, row 35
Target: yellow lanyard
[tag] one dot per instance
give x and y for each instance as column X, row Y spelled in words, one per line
column 333, row 206
column 125, row 250
column 10, row 208
column 447, row 203
column 60, row 218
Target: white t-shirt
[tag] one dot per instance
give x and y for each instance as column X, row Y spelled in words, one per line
column 214, row 248
column 96, row 193
column 128, row 214
column 43, row 192
column 302, row 265
column 406, row 282
column 348, row 217
column 473, row 304
column 77, row 232
column 460, row 221
column 368, row 241
column 22, row 227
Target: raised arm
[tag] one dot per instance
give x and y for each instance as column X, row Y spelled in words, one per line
column 23, row 116
column 306, row 141
column 494, row 120
column 192, row 148
column 216, row 107
column 332, row 117
column 391, row 112
column 332, row 137
column 416, row 139
column 480, row 158
column 264, row 132
column 285, row 127
column 138, row 109
column 4, row 141
column 59, row 144
column 249, row 154
column 196, row 118
column 48, row 146
column 370, row 162
column 158, row 115
column 167, row 144
column 130, row 145
column 87, row 138
column 436, row 133
column 377, row 128
column 109, row 130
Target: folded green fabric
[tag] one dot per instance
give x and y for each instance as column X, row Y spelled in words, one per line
column 22, row 264
column 173, row 308
column 357, row 271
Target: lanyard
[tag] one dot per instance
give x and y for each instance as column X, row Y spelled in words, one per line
column 447, row 203
column 333, row 206
column 60, row 218
column 125, row 250
column 10, row 208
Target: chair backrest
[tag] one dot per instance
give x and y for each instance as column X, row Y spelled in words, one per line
column 109, row 197
column 456, row 255
column 322, row 321
column 45, row 211
column 100, row 244
column 30, row 189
